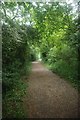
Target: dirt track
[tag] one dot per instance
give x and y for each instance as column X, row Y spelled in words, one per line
column 49, row 96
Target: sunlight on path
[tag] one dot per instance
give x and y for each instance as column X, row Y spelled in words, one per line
column 38, row 68
column 35, row 62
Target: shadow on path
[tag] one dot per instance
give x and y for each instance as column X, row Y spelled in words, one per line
column 49, row 96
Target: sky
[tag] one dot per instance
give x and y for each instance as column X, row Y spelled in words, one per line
column 41, row 0
column 74, row 4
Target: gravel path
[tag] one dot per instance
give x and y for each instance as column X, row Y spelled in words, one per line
column 49, row 96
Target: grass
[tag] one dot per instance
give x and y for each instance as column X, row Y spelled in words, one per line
column 63, row 73
column 13, row 99
column 12, row 103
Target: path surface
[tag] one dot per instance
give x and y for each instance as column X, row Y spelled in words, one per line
column 49, row 95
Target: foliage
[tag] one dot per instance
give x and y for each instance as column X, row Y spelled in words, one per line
column 31, row 30
column 16, row 42
column 58, row 40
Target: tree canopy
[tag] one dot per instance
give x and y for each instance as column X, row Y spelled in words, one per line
column 39, row 30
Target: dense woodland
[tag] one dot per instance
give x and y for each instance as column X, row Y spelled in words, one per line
column 48, row 29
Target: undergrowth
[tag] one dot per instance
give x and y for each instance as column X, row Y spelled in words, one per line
column 65, row 72
column 13, row 98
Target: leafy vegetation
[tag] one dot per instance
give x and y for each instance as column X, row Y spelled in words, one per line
column 32, row 31
column 58, row 38
column 16, row 63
